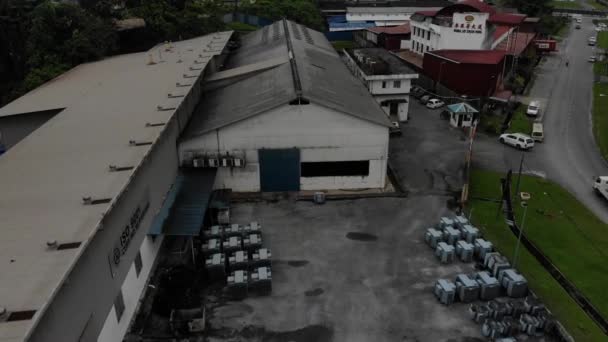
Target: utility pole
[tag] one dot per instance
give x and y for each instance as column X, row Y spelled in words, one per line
column 524, row 203
column 521, row 164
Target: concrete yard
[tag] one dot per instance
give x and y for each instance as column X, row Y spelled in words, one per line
column 355, row 270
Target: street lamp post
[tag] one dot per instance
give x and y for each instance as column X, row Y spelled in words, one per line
column 525, row 197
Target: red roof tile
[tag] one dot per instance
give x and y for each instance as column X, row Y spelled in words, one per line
column 401, row 29
column 479, row 5
column 500, row 31
column 517, row 44
column 430, row 13
column 471, row 56
column 507, row 18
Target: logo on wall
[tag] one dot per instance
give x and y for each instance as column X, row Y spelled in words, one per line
column 469, row 18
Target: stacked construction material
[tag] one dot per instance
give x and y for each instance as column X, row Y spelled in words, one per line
column 445, row 222
column 467, row 289
column 233, row 230
column 489, row 286
column 261, row 280
column 460, row 222
column 451, row 235
column 238, row 260
column 514, row 283
column 215, row 264
column 252, row 227
column 237, row 284
column 469, row 233
column 252, row 241
column 445, row 253
column 479, row 313
column 261, row 257
column 482, row 247
column 214, row 232
column 232, row 244
column 212, row 246
column 495, row 262
column 464, row 251
column 445, row 291
column 433, row 237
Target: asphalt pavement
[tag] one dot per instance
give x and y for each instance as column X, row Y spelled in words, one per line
column 569, row 154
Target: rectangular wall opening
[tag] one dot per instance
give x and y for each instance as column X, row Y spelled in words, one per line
column 335, row 169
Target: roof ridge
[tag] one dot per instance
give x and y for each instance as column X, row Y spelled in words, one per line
column 297, row 84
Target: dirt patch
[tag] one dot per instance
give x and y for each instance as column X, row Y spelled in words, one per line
column 358, row 236
column 297, row 263
column 314, row 292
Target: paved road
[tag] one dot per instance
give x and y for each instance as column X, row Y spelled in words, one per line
column 569, row 154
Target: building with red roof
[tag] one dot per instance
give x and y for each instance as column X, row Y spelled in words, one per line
column 391, row 38
column 467, row 72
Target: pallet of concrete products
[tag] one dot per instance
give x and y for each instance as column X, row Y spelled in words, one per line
column 212, row 246
column 460, row 221
column 445, row 222
column 479, row 313
column 445, row 253
column 482, row 247
column 495, row 262
column 469, row 233
column 514, row 283
column 530, row 325
column 215, row 265
column 261, row 257
column 451, row 235
column 519, row 307
column 467, row 289
column 233, row 230
column 261, row 280
column 252, row 242
column 238, row 260
column 232, row 244
column 489, row 288
column 445, row 291
column 433, row 237
column 236, row 284
column 214, row 232
column 492, row 329
column 512, row 326
column 464, row 251
column 498, row 310
column 533, row 306
column 252, row 227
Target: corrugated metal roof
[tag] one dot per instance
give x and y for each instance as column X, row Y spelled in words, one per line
column 470, row 56
column 462, row 107
column 323, row 79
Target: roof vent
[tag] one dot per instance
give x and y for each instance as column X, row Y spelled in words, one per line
column 20, row 315
column 177, row 84
column 174, row 95
column 151, row 59
column 92, row 201
column 162, row 108
column 69, row 245
column 139, row 143
column 189, row 76
column 52, row 244
column 193, row 68
column 114, row 168
column 154, row 124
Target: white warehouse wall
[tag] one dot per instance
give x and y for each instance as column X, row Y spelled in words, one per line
column 132, row 290
column 320, row 133
column 375, row 86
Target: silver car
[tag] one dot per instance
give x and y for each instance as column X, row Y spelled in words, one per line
column 518, row 140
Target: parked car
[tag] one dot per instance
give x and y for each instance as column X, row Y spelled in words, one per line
column 591, row 59
column 518, row 140
column 533, row 108
column 538, row 132
column 434, row 103
column 424, row 99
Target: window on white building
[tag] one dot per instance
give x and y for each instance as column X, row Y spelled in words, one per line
column 396, row 84
column 119, row 305
column 383, row 84
column 428, row 35
column 427, row 48
column 138, row 264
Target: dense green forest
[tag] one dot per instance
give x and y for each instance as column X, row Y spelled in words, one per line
column 40, row 39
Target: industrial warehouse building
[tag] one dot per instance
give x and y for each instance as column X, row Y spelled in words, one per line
column 293, row 116
column 94, row 164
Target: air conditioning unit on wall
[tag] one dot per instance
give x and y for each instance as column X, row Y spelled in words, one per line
column 226, row 161
column 212, row 161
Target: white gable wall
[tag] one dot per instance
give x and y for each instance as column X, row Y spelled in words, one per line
column 320, row 133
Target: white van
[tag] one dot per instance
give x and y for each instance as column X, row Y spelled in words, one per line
column 537, row 132
column 533, row 108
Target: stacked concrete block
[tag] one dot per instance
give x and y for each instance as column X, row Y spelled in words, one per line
column 236, row 284
column 498, row 310
column 460, row 222
column 469, row 233
column 495, row 262
column 445, row 253
column 252, row 242
column 214, row 232
column 530, row 325
column 451, row 235
column 514, row 283
column 492, row 329
column 212, row 246
column 482, row 247
column 261, row 257
column 261, row 280
column 533, row 306
column 467, row 289
column 233, row 230
column 215, row 265
column 238, row 260
column 464, row 251
column 445, row 291
column 479, row 313
column 489, row 286
column 433, row 237
column 232, row 244
column 445, row 222
column 252, row 227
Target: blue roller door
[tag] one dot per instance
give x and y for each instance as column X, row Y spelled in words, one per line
column 279, row 169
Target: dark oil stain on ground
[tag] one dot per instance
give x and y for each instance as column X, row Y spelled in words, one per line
column 316, row 333
column 297, row 263
column 357, row 236
column 314, row 292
